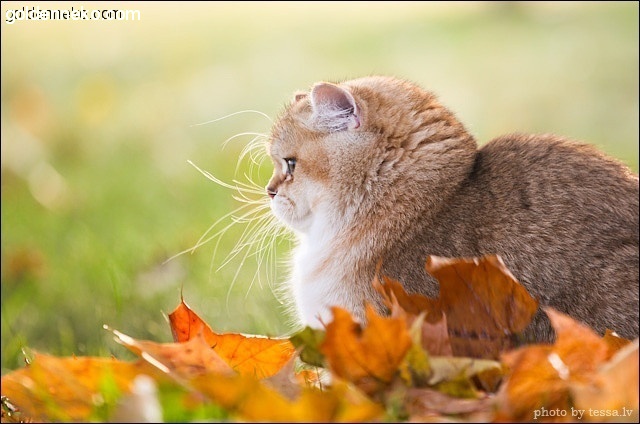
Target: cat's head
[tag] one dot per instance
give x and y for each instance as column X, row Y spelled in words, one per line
column 363, row 147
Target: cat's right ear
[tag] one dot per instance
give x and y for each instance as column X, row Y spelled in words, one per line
column 334, row 108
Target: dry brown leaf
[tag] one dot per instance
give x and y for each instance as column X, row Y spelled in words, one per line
column 434, row 337
column 399, row 301
column 285, row 381
column 579, row 347
column 369, row 356
column 484, row 304
column 246, row 354
column 428, row 404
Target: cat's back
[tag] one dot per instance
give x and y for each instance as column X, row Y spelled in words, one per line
column 552, row 177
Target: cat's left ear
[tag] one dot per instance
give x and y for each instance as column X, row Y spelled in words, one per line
column 334, row 107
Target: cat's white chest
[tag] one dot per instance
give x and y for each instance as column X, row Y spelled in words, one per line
column 314, row 283
column 319, row 280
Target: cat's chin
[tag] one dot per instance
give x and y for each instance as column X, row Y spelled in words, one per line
column 288, row 216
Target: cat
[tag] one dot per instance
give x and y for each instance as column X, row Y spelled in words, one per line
column 376, row 169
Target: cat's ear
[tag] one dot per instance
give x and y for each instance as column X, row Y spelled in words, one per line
column 299, row 95
column 334, row 108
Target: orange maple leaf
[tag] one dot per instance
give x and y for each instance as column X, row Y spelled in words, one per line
column 180, row 360
column 367, row 356
column 247, row 354
column 612, row 393
column 541, row 375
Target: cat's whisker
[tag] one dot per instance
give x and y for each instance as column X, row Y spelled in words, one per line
column 249, row 188
column 267, row 247
column 211, row 177
column 241, row 243
column 233, row 114
column 244, row 193
column 255, row 148
column 221, row 233
column 238, row 187
column 263, row 228
column 200, row 241
column 250, row 184
column 256, row 134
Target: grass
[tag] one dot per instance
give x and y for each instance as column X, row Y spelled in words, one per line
column 97, row 129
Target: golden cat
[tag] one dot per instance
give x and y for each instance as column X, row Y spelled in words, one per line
column 376, row 169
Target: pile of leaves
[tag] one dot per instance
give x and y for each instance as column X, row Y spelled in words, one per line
column 451, row 359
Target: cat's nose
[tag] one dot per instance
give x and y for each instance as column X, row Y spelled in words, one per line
column 272, row 192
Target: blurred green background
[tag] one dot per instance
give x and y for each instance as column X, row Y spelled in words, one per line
column 98, row 125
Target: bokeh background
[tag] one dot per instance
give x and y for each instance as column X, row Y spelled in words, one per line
column 98, row 125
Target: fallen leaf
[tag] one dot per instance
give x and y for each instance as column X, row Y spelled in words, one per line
column 369, row 356
column 427, row 404
column 246, row 354
column 68, row 388
column 308, row 342
column 398, row 300
column 577, row 345
column 449, row 368
column 541, row 375
column 139, row 406
column 612, row 393
column 180, row 360
column 415, row 368
column 614, row 342
column 435, row 337
column 251, row 400
column 411, row 307
column 313, row 377
column 186, row 324
column 285, row 381
column 483, row 303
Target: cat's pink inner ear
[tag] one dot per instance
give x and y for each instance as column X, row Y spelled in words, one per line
column 334, row 106
column 326, row 95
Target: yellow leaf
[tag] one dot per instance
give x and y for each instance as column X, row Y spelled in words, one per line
column 67, row 389
column 252, row 400
column 415, row 368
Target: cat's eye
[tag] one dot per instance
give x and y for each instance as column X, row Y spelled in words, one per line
column 291, row 165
